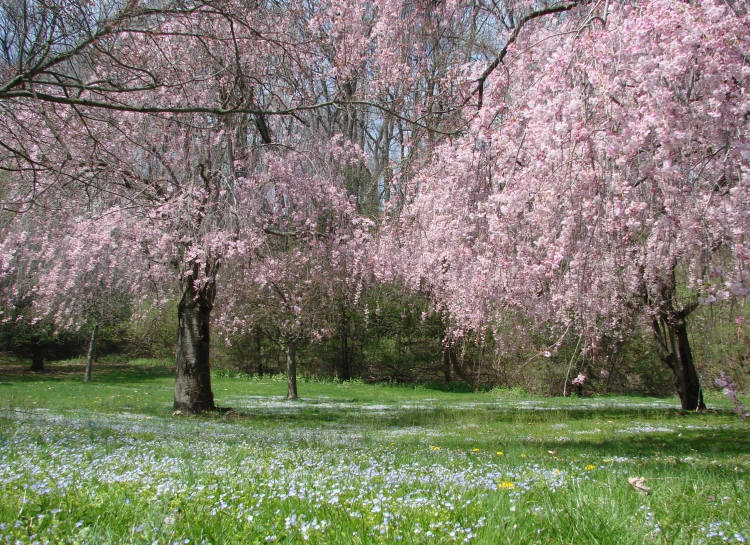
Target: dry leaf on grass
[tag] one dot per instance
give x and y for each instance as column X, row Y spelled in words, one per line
column 639, row 483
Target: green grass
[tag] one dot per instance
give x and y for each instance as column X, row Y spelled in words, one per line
column 105, row 462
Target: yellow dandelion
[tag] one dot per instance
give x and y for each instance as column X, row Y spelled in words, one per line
column 475, row 450
column 436, row 448
column 590, row 467
column 607, row 461
column 499, row 452
column 523, row 456
column 506, row 485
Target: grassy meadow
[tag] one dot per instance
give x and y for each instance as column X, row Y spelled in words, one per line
column 351, row 463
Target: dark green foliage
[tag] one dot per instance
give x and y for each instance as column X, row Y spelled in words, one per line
column 154, row 331
column 721, row 341
column 393, row 337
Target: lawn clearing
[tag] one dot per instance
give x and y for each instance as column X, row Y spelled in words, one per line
column 354, row 463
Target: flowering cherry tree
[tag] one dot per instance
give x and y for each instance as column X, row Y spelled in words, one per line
column 604, row 175
column 578, row 382
column 156, row 127
column 729, row 388
column 56, row 276
column 314, row 252
column 162, row 168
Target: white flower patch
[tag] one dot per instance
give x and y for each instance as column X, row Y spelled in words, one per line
column 646, row 428
column 286, row 482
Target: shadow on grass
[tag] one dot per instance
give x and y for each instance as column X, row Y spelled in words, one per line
column 710, row 439
column 307, row 413
column 108, row 373
column 708, row 442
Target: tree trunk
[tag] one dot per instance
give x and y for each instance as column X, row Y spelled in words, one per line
column 90, row 357
column 259, row 344
column 343, row 368
column 291, row 369
column 456, row 366
column 37, row 357
column 447, row 363
column 672, row 337
column 192, row 391
column 670, row 330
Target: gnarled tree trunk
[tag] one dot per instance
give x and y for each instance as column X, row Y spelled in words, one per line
column 669, row 323
column 192, row 390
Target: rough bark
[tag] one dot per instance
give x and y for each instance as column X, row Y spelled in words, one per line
column 90, row 357
column 37, row 357
column 192, row 391
column 291, row 369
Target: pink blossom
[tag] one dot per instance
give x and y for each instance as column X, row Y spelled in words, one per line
column 729, row 388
